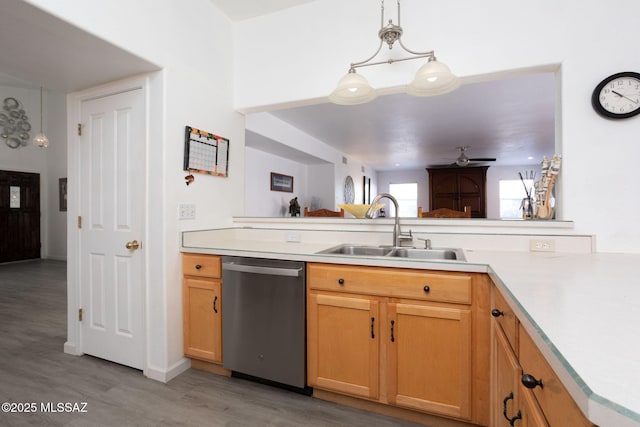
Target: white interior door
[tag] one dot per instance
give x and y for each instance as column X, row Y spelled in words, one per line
column 111, row 184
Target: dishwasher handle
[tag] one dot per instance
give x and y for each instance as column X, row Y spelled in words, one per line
column 272, row 271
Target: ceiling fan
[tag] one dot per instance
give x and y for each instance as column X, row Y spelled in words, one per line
column 463, row 160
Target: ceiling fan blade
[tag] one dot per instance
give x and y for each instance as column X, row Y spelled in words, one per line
column 482, row 159
column 442, row 165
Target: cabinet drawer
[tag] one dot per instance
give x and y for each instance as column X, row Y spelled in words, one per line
column 201, row 265
column 391, row 282
column 555, row 401
column 505, row 317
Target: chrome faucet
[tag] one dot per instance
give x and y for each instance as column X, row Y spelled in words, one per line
column 398, row 237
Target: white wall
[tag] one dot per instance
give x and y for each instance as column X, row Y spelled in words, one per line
column 50, row 163
column 511, row 35
column 320, row 186
column 259, row 199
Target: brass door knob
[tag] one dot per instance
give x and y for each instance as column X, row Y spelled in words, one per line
column 133, row 245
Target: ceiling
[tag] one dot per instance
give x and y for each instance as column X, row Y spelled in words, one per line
column 39, row 49
column 511, row 119
column 238, row 10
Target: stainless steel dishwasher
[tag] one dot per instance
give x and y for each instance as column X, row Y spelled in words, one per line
column 263, row 320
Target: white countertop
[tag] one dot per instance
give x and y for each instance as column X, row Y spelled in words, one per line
column 582, row 309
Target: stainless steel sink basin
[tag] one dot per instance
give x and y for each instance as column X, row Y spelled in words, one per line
column 442, row 253
column 386, row 251
column 358, row 250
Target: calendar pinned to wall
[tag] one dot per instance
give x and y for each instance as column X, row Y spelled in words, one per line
column 205, row 152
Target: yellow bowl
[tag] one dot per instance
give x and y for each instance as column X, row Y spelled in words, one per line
column 359, row 210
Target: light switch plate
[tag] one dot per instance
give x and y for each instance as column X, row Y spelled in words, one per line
column 187, row 211
column 542, row 245
column 293, row 237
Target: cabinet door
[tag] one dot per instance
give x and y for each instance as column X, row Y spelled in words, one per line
column 532, row 415
column 343, row 344
column 506, row 372
column 429, row 358
column 202, row 311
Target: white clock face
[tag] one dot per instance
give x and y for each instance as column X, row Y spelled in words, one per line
column 621, row 96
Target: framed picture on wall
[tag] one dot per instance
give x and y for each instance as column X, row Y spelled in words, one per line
column 62, row 190
column 280, row 182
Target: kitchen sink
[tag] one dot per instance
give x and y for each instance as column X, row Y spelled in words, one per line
column 438, row 253
column 358, row 250
column 389, row 252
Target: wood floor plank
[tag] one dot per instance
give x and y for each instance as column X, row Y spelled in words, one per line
column 33, row 368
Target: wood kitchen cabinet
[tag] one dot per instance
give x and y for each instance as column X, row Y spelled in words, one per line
column 429, row 358
column 343, row 344
column 400, row 337
column 202, row 307
column 518, row 400
column 457, row 187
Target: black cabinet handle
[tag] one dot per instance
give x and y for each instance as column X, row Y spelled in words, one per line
column 373, row 319
column 393, row 339
column 341, row 281
column 198, row 266
column 529, row 381
column 504, row 410
column 426, row 288
column 497, row 313
column 215, row 300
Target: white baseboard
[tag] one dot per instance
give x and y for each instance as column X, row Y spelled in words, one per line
column 70, row 348
column 167, row 375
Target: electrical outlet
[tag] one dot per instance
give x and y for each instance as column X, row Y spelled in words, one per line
column 187, row 211
column 293, row 237
column 542, row 245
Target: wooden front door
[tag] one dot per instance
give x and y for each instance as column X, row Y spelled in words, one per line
column 19, row 216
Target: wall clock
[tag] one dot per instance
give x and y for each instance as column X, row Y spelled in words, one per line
column 618, row 96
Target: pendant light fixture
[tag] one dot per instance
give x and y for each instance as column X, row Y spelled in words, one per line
column 41, row 139
column 433, row 78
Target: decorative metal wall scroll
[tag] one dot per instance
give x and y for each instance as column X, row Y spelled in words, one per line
column 14, row 123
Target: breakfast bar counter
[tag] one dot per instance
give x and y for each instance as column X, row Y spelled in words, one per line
column 581, row 309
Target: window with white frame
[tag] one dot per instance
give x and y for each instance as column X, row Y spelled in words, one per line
column 407, row 196
column 512, row 191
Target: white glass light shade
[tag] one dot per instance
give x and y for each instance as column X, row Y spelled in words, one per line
column 41, row 140
column 352, row 89
column 433, row 78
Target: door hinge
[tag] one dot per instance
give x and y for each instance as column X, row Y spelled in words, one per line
column 80, row 314
column 79, row 221
column 79, row 129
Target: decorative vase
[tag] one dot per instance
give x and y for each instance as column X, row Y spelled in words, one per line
column 527, row 208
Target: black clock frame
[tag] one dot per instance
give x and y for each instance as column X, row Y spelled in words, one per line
column 595, row 97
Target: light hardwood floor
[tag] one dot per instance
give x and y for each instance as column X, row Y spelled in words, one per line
column 33, row 368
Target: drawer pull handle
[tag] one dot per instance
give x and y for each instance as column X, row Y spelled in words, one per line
column 426, row 288
column 504, row 410
column 529, row 381
column 215, row 300
column 497, row 313
column 373, row 319
column 341, row 281
column 198, row 266
column 393, row 339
